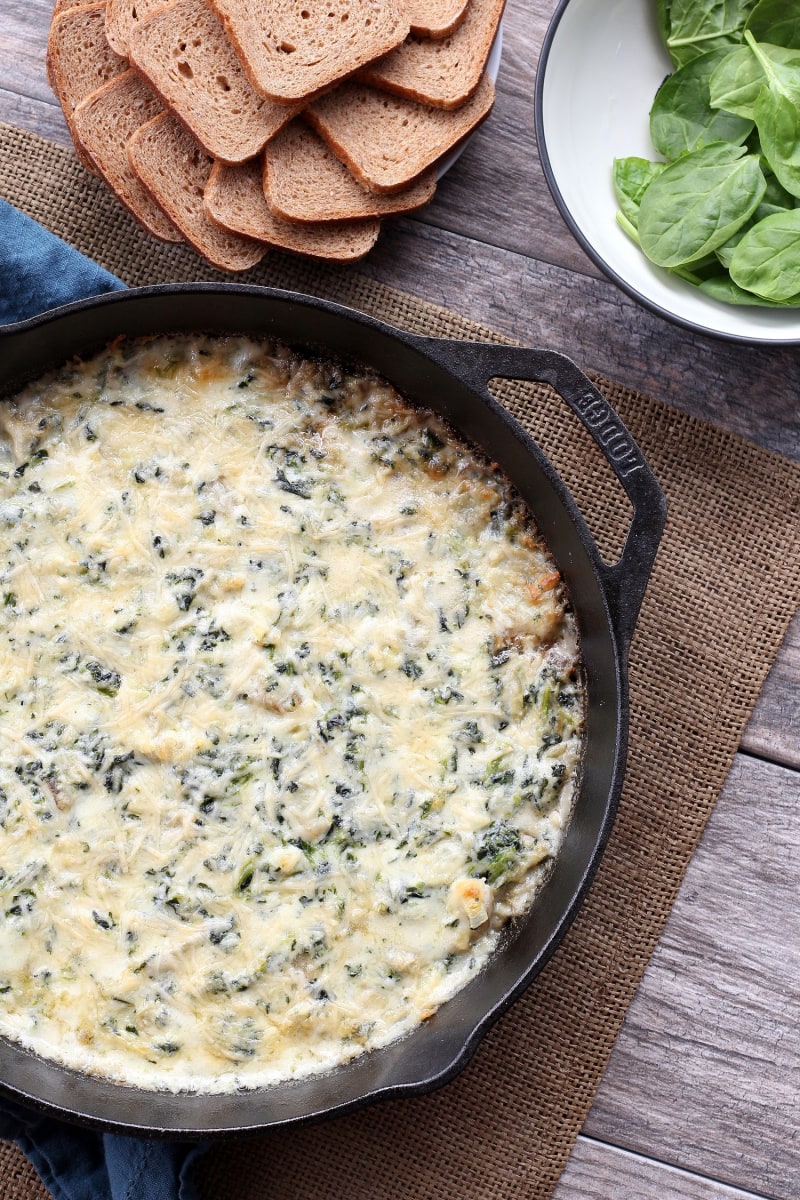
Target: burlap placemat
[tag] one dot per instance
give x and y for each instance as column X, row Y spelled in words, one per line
column 726, row 583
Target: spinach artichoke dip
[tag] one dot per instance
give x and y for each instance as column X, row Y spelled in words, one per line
column 290, row 713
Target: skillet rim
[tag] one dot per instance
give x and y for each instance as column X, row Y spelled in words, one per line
column 428, row 349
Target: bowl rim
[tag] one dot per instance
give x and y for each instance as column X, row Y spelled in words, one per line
column 598, row 259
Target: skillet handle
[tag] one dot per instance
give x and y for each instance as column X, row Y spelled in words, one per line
column 625, row 581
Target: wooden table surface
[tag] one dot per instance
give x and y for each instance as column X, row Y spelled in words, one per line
column 701, row 1099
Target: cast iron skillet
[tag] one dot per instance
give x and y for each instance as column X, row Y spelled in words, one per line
column 450, row 377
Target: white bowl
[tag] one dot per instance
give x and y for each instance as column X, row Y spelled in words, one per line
column 601, row 64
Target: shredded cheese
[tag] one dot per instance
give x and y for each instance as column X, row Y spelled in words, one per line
column 291, row 714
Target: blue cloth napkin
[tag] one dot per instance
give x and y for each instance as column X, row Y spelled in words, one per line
column 78, row 1164
column 39, row 271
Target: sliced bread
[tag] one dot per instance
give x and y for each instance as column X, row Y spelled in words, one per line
column 79, row 60
column 58, row 7
column 175, row 170
column 443, row 73
column 435, row 18
column 122, row 17
column 235, row 199
column 294, row 51
column 104, row 122
column 183, row 51
column 61, row 5
column 305, row 181
column 388, row 141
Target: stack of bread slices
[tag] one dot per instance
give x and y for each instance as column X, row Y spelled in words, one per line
column 237, row 125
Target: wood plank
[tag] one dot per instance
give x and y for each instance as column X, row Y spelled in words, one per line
column 705, row 1073
column 749, row 390
column 37, row 116
column 706, row 1069
column 23, row 43
column 597, row 1172
column 774, row 728
column 497, row 193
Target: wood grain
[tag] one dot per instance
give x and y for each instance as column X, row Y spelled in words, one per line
column 23, row 42
column 517, row 211
column 774, row 728
column 600, row 1172
column 700, row 1098
column 705, row 1073
column 749, row 390
column 38, row 116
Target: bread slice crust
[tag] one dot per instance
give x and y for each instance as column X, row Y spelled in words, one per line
column 235, row 199
column 305, row 181
column 435, row 18
column 79, row 60
column 184, row 53
column 175, row 170
column 60, row 6
column 388, row 141
column 441, row 73
column 104, row 122
column 295, row 51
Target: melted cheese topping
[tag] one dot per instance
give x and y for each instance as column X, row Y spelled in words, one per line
column 291, row 714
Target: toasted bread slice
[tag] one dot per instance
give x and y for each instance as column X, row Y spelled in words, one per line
column 175, row 170
column 305, row 181
column 79, row 60
column 388, row 141
column 294, row 51
column 184, row 53
column 442, row 73
column 104, row 122
column 60, row 6
column 235, row 199
column 122, row 17
column 435, row 18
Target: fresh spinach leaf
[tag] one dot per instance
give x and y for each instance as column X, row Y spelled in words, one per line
column 695, row 274
column 722, row 287
column 776, row 22
column 736, row 83
column 631, row 177
column 698, row 202
column 662, row 16
column 767, row 259
column 777, row 115
column 781, row 71
column 697, row 26
column 628, row 227
column 776, row 198
column 724, row 253
column 682, row 117
column 778, row 123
